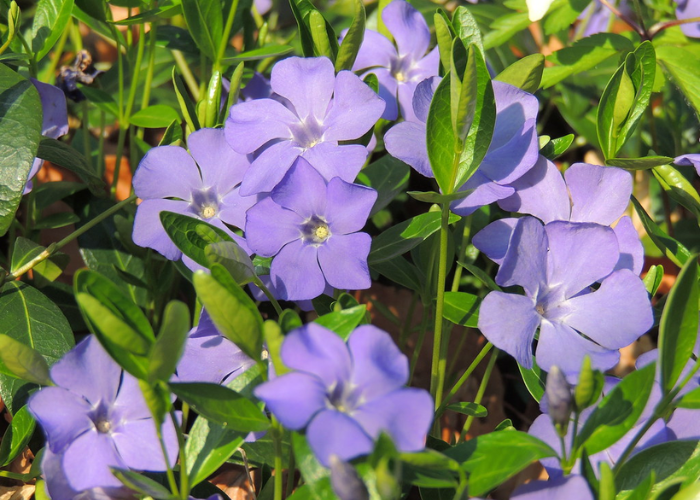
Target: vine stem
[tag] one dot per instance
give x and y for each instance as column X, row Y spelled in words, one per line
column 54, row 247
column 481, row 391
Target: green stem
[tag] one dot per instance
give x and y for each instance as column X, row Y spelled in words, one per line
column 32, row 57
column 118, row 159
column 290, row 474
column 481, row 391
column 168, row 469
column 54, row 247
column 101, row 146
column 467, row 373
column 187, row 74
column 146, row 97
column 268, row 294
column 184, row 478
column 49, row 74
column 439, row 362
column 406, row 327
column 86, row 133
column 419, row 342
column 277, row 437
column 227, row 34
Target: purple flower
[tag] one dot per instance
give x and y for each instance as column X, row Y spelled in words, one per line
column 586, row 193
column 573, row 487
column 688, row 9
column 689, row 161
column 345, row 395
column 96, row 418
column 321, row 110
column 596, row 18
column 204, row 185
column 399, row 69
column 209, row 356
column 557, row 265
column 310, row 228
column 513, row 150
column 54, row 122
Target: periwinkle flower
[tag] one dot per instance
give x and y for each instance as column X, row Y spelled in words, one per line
column 692, row 160
column 399, row 69
column 573, row 487
column 558, row 266
column 346, row 395
column 203, row 183
column 559, row 399
column 346, row 482
column 96, row 418
column 321, row 110
column 512, row 153
column 310, row 227
column 586, row 193
column 688, row 9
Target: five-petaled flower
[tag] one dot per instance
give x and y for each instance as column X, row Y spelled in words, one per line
column 345, row 395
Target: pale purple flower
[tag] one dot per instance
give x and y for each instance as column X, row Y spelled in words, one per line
column 399, row 68
column 96, row 418
column 692, row 160
column 586, row 193
column 310, row 227
column 320, row 111
column 596, row 17
column 54, row 121
column 573, row 487
column 203, row 183
column 557, row 265
column 345, row 395
column 512, row 153
column 688, row 9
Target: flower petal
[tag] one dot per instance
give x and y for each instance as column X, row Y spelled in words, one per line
column 512, row 160
column 406, row 141
column 167, row 172
column 512, row 332
column 268, row 169
column 376, row 50
column 525, row 262
column 252, row 124
column 63, row 415
column 408, row 27
column 348, row 206
column 307, row 83
column 302, row 190
column 689, row 161
column 631, row 248
column 296, row 272
column 515, row 108
column 221, row 167
column 571, row 487
column 233, row 207
column 579, row 254
column 130, row 403
column 334, row 160
column 54, row 109
column 485, row 191
column 269, row 227
column 616, row 314
column 598, row 194
column 423, row 96
column 335, row 433
column 343, row 259
column 379, row 367
column 494, row 239
column 149, row 231
column 86, row 462
column 356, row 108
column 293, row 398
column 139, row 447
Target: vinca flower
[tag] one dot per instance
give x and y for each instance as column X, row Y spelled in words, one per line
column 321, row 110
column 399, row 69
column 689, row 161
column 572, row 487
column 558, row 265
column 96, row 418
column 688, row 9
column 203, row 184
column 310, row 227
column 513, row 151
column 346, row 395
column 586, row 193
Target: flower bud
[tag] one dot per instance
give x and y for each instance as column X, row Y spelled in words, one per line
column 589, row 387
column 559, row 399
column 345, row 481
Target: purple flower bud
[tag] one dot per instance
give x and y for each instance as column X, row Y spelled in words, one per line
column 346, row 481
column 559, row 399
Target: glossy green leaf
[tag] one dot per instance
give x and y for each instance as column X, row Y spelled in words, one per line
column 388, row 176
column 618, row 411
column 689, row 400
column 492, row 458
column 672, row 248
column 274, row 338
column 20, row 133
column 319, row 34
column 466, row 28
column 192, row 236
column 347, row 52
column 16, row 436
column 471, row 409
column 170, row 342
column 675, row 60
column 652, row 280
column 678, row 187
column 463, row 89
column 187, row 108
column 155, row 116
column 534, row 379
column 343, row 322
column 678, row 328
column 61, row 154
column 642, row 76
column 557, row 147
column 434, row 197
column 606, row 487
column 231, row 309
column 643, row 163
column 236, row 261
column 96, row 10
column 302, row 10
column 400, row 271
column 444, row 33
column 222, row 405
column 440, row 138
column 173, row 134
column 29, row 317
column 461, row 308
column 671, row 462
column 615, row 104
column 260, row 53
column 21, row 361
column 205, row 21
column 45, row 271
column 402, row 237
column 50, row 19
column 526, row 73
column 142, row 484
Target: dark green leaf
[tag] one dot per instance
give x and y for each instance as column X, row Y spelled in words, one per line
column 400, row 271
column 461, row 308
column 343, row 322
column 615, row 105
column 20, row 133
column 347, row 53
column 525, row 73
column 669, row 461
column 50, row 19
column 97, row 10
column 186, row 105
column 63, row 155
column 643, row 163
column 388, row 176
column 236, row 261
column 642, row 76
column 557, row 147
column 208, row 446
column 678, row 187
column 672, row 248
column 466, row 28
column 434, row 197
column 675, row 60
column 21, row 361
column 165, row 10
column 142, row 484
column 440, row 136
column 155, row 116
column 16, row 436
column 471, row 409
column 307, row 463
column 678, row 329
column 172, row 134
column 170, row 342
column 534, row 379
column 690, row 400
column 192, row 235
column 205, row 21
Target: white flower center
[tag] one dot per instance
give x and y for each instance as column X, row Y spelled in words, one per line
column 315, row 230
column 103, row 425
column 208, row 211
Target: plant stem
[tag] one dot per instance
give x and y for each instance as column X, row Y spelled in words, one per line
column 184, row 478
column 277, row 437
column 654, row 30
column 187, row 75
column 49, row 74
column 419, row 342
column 258, row 282
column 481, row 391
column 168, row 469
column 227, row 34
column 54, row 247
column 467, row 373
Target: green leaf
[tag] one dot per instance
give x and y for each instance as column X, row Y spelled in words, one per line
column 678, row 328
column 440, row 138
column 208, row 446
column 205, row 22
column 302, row 10
column 236, row 261
column 534, row 379
column 689, row 400
column 675, row 60
column 142, row 484
column 504, row 28
column 165, row 10
column 606, row 488
column 557, row 147
column 463, row 89
column 21, row 361
column 274, row 338
column 61, row 154
column 615, row 104
column 170, row 342
column 437, row 198
column 343, row 322
column 32, row 319
column 471, row 409
column 678, row 187
column 50, row 19
column 388, row 176
column 44, row 272
column 643, row 163
column 466, row 28
column 231, row 309
column 672, row 248
column 584, row 55
column 192, row 236
column 173, row 134
column 317, row 26
column 96, row 10
column 260, row 53
column 16, row 436
column 444, row 33
column 347, row 53
column 493, row 458
column 222, row 405
column 119, row 324
column 669, row 461
column 618, row 412
column 526, row 73
column 461, row 308
column 20, row 133
column 402, row 237
column 183, row 98
column 564, row 15
column 642, row 77
column 307, row 463
column 155, row 116
column 400, row 271
column 652, row 280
